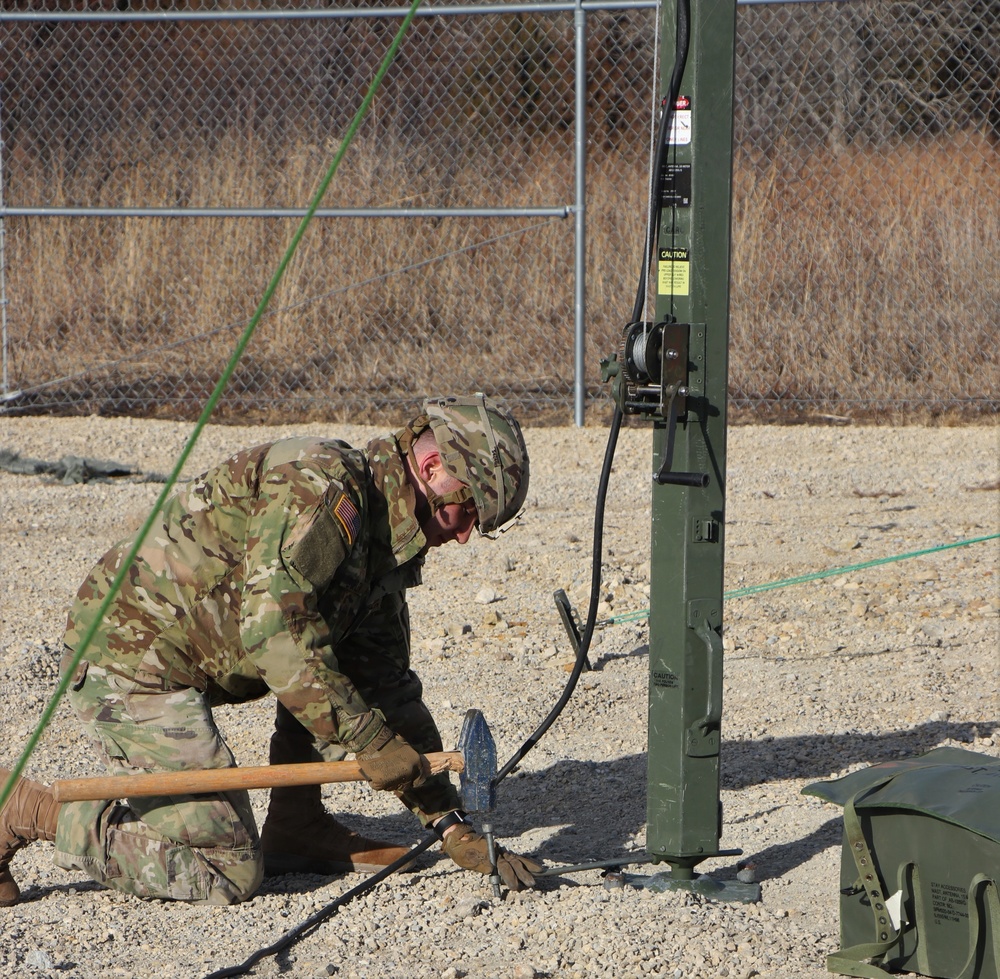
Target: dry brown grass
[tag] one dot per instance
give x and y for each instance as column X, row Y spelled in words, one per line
column 858, row 279
column 877, row 275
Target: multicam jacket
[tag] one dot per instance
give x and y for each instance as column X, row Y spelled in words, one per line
column 257, row 574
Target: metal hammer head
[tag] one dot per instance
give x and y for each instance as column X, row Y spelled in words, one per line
column 479, row 755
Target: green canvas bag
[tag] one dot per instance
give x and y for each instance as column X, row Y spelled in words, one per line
column 920, row 867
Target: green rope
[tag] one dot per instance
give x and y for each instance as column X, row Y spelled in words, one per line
column 814, row 576
column 241, row 345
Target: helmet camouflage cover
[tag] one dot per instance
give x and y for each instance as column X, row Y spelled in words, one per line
column 481, row 445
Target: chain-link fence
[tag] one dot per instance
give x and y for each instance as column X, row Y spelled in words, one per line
column 154, row 155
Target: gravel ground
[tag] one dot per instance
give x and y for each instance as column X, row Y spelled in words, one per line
column 822, row 678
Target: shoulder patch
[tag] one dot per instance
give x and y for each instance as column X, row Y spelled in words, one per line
column 320, row 548
column 347, row 515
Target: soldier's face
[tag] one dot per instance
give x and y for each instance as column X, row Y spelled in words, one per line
column 453, row 521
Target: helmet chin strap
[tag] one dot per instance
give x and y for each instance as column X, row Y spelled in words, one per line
column 438, row 500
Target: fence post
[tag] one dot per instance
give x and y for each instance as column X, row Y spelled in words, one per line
column 3, row 265
column 579, row 214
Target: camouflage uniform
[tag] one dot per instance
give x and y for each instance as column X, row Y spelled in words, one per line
column 282, row 570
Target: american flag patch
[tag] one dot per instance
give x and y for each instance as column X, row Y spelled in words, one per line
column 347, row 513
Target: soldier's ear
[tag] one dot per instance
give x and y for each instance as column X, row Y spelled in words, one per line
column 428, row 465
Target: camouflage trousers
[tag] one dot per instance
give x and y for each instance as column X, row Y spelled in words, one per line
column 202, row 849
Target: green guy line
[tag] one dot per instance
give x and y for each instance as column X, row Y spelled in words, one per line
column 814, row 576
column 213, row 399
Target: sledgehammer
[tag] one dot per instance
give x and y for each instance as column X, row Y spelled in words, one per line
column 475, row 761
column 203, row 780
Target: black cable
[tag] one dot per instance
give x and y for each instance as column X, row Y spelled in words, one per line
column 303, row 929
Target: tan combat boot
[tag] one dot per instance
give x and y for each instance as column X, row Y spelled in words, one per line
column 29, row 814
column 300, row 836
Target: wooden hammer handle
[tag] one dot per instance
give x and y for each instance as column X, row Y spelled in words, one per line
column 227, row 779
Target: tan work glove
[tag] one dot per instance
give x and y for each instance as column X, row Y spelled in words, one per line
column 389, row 763
column 468, row 849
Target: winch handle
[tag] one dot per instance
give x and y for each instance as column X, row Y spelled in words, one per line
column 664, row 476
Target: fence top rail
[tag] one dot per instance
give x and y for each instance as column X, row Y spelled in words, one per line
column 543, row 6
column 555, row 211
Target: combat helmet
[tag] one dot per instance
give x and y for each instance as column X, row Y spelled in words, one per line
column 481, row 445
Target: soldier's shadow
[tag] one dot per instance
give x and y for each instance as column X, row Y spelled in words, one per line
column 595, row 809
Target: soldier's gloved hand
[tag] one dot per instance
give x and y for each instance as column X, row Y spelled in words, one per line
column 468, row 849
column 389, row 763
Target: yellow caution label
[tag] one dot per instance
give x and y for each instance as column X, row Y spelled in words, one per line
column 674, row 272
